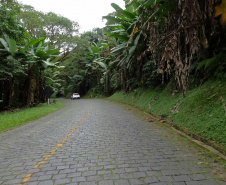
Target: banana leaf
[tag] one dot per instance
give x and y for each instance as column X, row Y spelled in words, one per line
column 4, row 43
column 31, row 43
column 123, row 12
column 125, row 25
column 117, row 26
column 113, row 19
column 47, row 63
column 118, row 47
column 124, row 18
column 12, row 47
column 95, row 49
column 132, row 49
column 117, row 8
column 121, row 62
column 128, row 14
column 123, row 37
column 119, row 31
column 103, row 65
column 153, row 2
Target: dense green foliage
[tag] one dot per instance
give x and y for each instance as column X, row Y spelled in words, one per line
column 60, row 31
column 147, row 44
column 9, row 23
column 144, row 45
column 30, row 45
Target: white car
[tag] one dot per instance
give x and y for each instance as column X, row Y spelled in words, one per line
column 75, row 96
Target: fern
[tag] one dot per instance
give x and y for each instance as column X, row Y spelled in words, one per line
column 208, row 63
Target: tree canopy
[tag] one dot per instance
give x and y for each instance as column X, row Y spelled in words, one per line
column 30, row 44
column 149, row 43
column 154, row 42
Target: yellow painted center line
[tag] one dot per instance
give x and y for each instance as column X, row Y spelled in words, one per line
column 38, row 166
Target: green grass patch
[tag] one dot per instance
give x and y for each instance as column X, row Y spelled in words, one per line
column 13, row 119
column 201, row 112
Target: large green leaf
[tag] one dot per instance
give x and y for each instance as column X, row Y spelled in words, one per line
column 95, row 49
column 39, row 46
column 32, row 43
column 119, row 31
column 105, row 45
column 124, row 18
column 117, row 8
column 137, row 39
column 116, row 26
column 123, row 37
column 132, row 49
column 90, row 50
column 52, row 52
column 103, row 65
column 125, row 25
column 47, row 63
column 118, row 47
column 121, row 62
column 123, row 12
column 136, row 5
column 113, row 19
column 153, row 2
column 12, row 47
column 128, row 14
column 4, row 43
column 207, row 63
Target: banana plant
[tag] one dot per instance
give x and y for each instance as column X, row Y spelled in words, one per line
column 35, row 57
column 53, row 80
column 125, row 28
column 9, row 46
column 105, row 68
column 131, row 28
column 130, row 25
column 38, row 58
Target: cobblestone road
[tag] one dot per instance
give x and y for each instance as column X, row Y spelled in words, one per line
column 96, row 142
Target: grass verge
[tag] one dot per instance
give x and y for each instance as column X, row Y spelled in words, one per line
column 201, row 114
column 9, row 120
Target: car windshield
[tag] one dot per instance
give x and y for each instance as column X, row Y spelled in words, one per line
column 75, row 94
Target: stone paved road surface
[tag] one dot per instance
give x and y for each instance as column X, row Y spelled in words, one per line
column 96, row 142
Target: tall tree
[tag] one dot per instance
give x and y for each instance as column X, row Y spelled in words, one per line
column 33, row 21
column 9, row 23
column 59, row 30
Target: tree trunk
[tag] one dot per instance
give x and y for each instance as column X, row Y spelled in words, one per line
column 11, row 94
column 6, row 92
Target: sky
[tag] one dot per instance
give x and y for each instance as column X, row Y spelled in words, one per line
column 88, row 13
